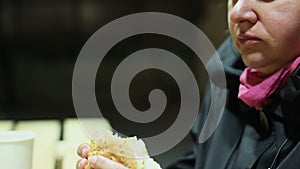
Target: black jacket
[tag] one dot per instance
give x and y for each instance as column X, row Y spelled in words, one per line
column 247, row 138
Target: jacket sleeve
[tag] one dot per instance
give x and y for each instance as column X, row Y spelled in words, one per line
column 186, row 162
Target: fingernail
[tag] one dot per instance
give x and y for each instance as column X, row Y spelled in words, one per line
column 82, row 164
column 93, row 160
column 85, row 152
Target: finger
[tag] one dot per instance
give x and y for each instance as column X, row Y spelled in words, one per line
column 100, row 162
column 83, row 150
column 81, row 163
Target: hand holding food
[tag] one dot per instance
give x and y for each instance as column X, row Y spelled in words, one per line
column 130, row 152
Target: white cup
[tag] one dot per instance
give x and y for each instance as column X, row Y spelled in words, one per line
column 16, row 149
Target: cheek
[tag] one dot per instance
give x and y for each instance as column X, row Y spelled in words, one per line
column 292, row 44
column 282, row 23
column 284, row 38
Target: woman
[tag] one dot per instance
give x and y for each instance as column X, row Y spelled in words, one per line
column 260, row 125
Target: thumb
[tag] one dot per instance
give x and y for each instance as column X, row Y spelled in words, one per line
column 100, row 162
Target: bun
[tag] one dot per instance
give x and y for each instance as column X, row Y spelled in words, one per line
column 130, row 151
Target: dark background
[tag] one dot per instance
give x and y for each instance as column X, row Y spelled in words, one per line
column 41, row 39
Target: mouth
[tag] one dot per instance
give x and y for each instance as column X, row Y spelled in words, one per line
column 248, row 40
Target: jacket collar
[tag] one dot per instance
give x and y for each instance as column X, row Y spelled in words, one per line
column 290, row 96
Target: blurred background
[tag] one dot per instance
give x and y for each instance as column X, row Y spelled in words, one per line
column 40, row 41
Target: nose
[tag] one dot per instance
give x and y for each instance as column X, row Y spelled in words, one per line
column 243, row 11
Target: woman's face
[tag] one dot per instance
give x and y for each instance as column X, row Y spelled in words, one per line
column 265, row 32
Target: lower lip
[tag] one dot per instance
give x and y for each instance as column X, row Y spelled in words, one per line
column 249, row 42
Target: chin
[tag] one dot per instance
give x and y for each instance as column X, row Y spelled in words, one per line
column 253, row 60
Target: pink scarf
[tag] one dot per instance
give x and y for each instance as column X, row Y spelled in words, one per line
column 256, row 89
